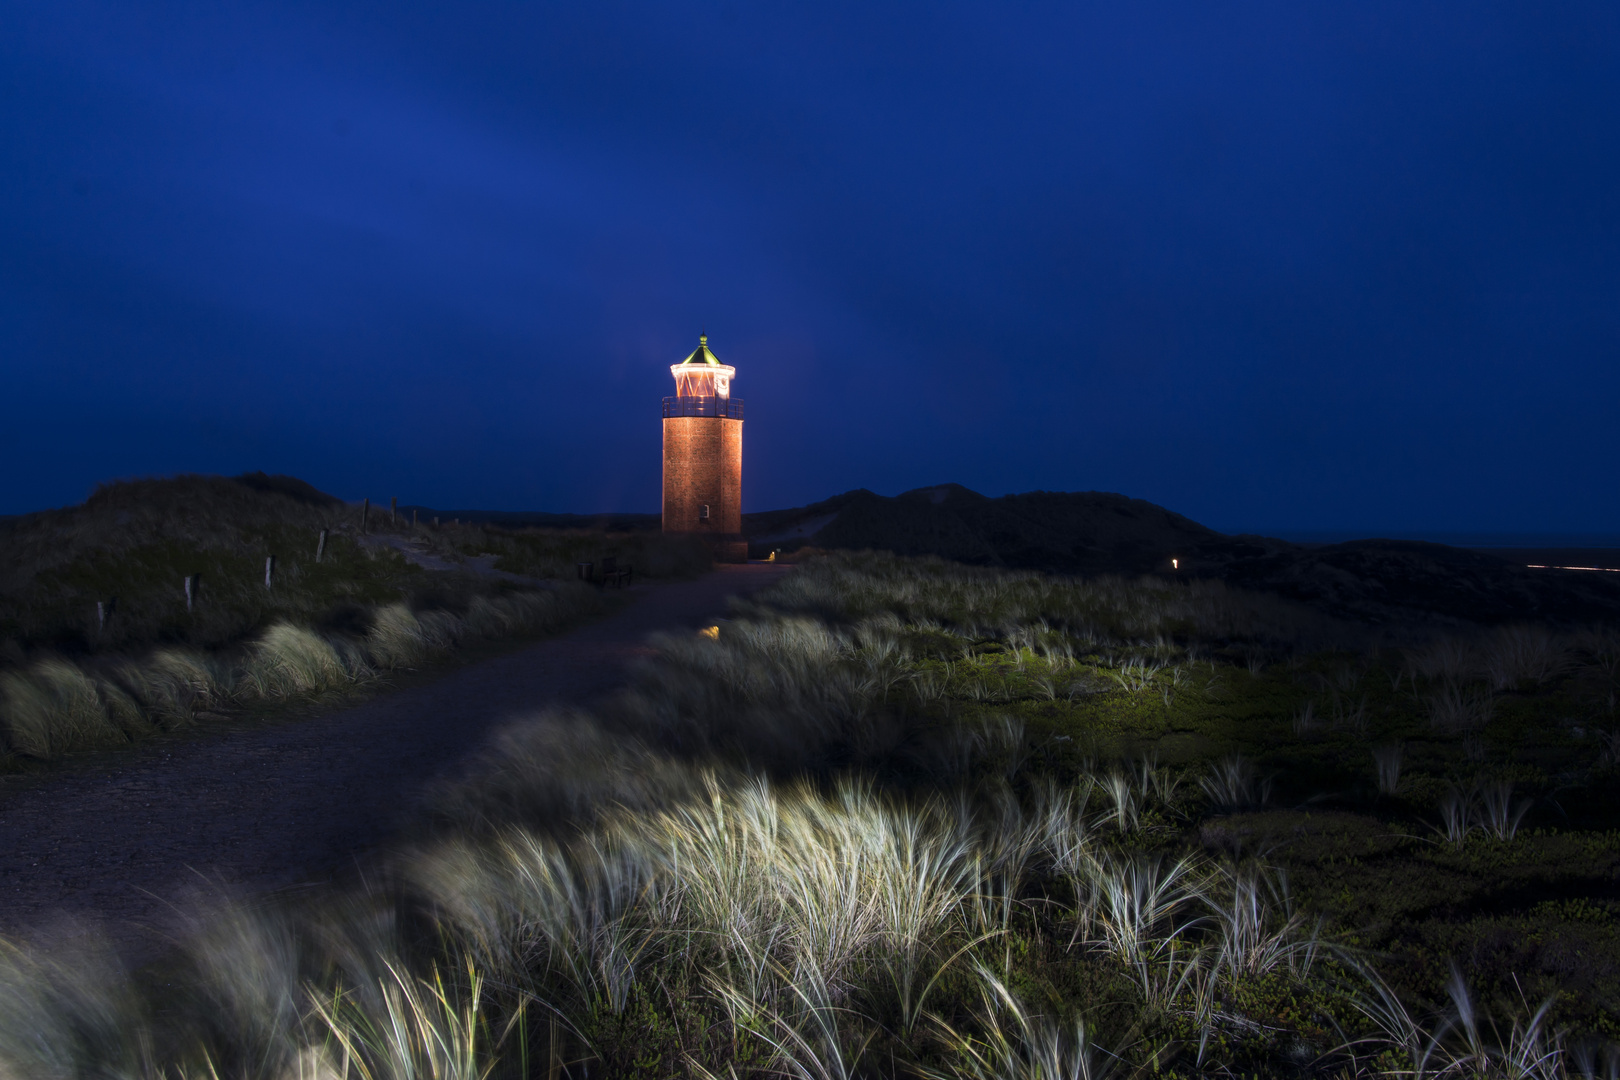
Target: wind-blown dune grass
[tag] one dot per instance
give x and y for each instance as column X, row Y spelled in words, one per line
column 55, row 706
column 898, row 819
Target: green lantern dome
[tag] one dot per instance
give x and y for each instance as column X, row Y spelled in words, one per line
column 702, row 355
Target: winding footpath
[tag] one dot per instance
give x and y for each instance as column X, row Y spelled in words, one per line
column 120, row 839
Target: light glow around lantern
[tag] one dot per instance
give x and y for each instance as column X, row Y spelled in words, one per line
column 702, row 381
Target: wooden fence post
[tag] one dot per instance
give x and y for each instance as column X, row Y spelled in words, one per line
column 269, row 570
column 193, row 584
column 365, row 512
column 320, row 546
column 435, row 521
column 413, row 518
column 393, row 509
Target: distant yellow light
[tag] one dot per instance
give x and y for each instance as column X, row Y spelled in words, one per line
column 1175, row 564
column 711, row 632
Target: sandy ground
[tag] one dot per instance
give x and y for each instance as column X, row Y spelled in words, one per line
column 117, row 840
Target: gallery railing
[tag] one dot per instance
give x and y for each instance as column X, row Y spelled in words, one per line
column 727, row 408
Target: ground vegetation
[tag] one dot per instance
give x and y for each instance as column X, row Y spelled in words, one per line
column 904, row 818
column 157, row 599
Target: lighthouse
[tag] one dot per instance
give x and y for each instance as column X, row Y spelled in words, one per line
column 703, row 454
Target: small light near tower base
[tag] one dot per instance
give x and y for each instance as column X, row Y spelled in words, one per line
column 1175, row 564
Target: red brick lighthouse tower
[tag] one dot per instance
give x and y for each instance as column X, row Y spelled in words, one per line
column 703, row 454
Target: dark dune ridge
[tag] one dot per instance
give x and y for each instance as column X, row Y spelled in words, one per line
column 1379, row 581
column 1562, row 558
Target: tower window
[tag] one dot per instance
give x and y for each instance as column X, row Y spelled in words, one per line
column 703, row 512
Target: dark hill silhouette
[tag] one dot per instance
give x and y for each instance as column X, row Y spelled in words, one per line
column 1098, row 532
column 1079, row 532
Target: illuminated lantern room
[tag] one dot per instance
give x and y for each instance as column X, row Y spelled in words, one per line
column 702, row 376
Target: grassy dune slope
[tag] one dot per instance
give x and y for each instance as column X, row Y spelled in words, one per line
column 73, row 677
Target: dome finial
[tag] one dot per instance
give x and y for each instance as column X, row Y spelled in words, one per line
column 701, row 354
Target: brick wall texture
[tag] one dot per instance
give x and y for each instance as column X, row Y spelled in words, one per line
column 703, row 465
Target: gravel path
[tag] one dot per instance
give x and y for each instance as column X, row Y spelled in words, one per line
column 116, row 840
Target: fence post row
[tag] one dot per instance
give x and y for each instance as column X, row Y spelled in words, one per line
column 193, row 582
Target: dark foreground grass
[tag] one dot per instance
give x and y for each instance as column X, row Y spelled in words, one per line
column 902, row 818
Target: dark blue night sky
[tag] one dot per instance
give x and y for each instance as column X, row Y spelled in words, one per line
column 1287, row 265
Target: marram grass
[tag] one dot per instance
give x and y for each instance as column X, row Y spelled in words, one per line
column 56, row 706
